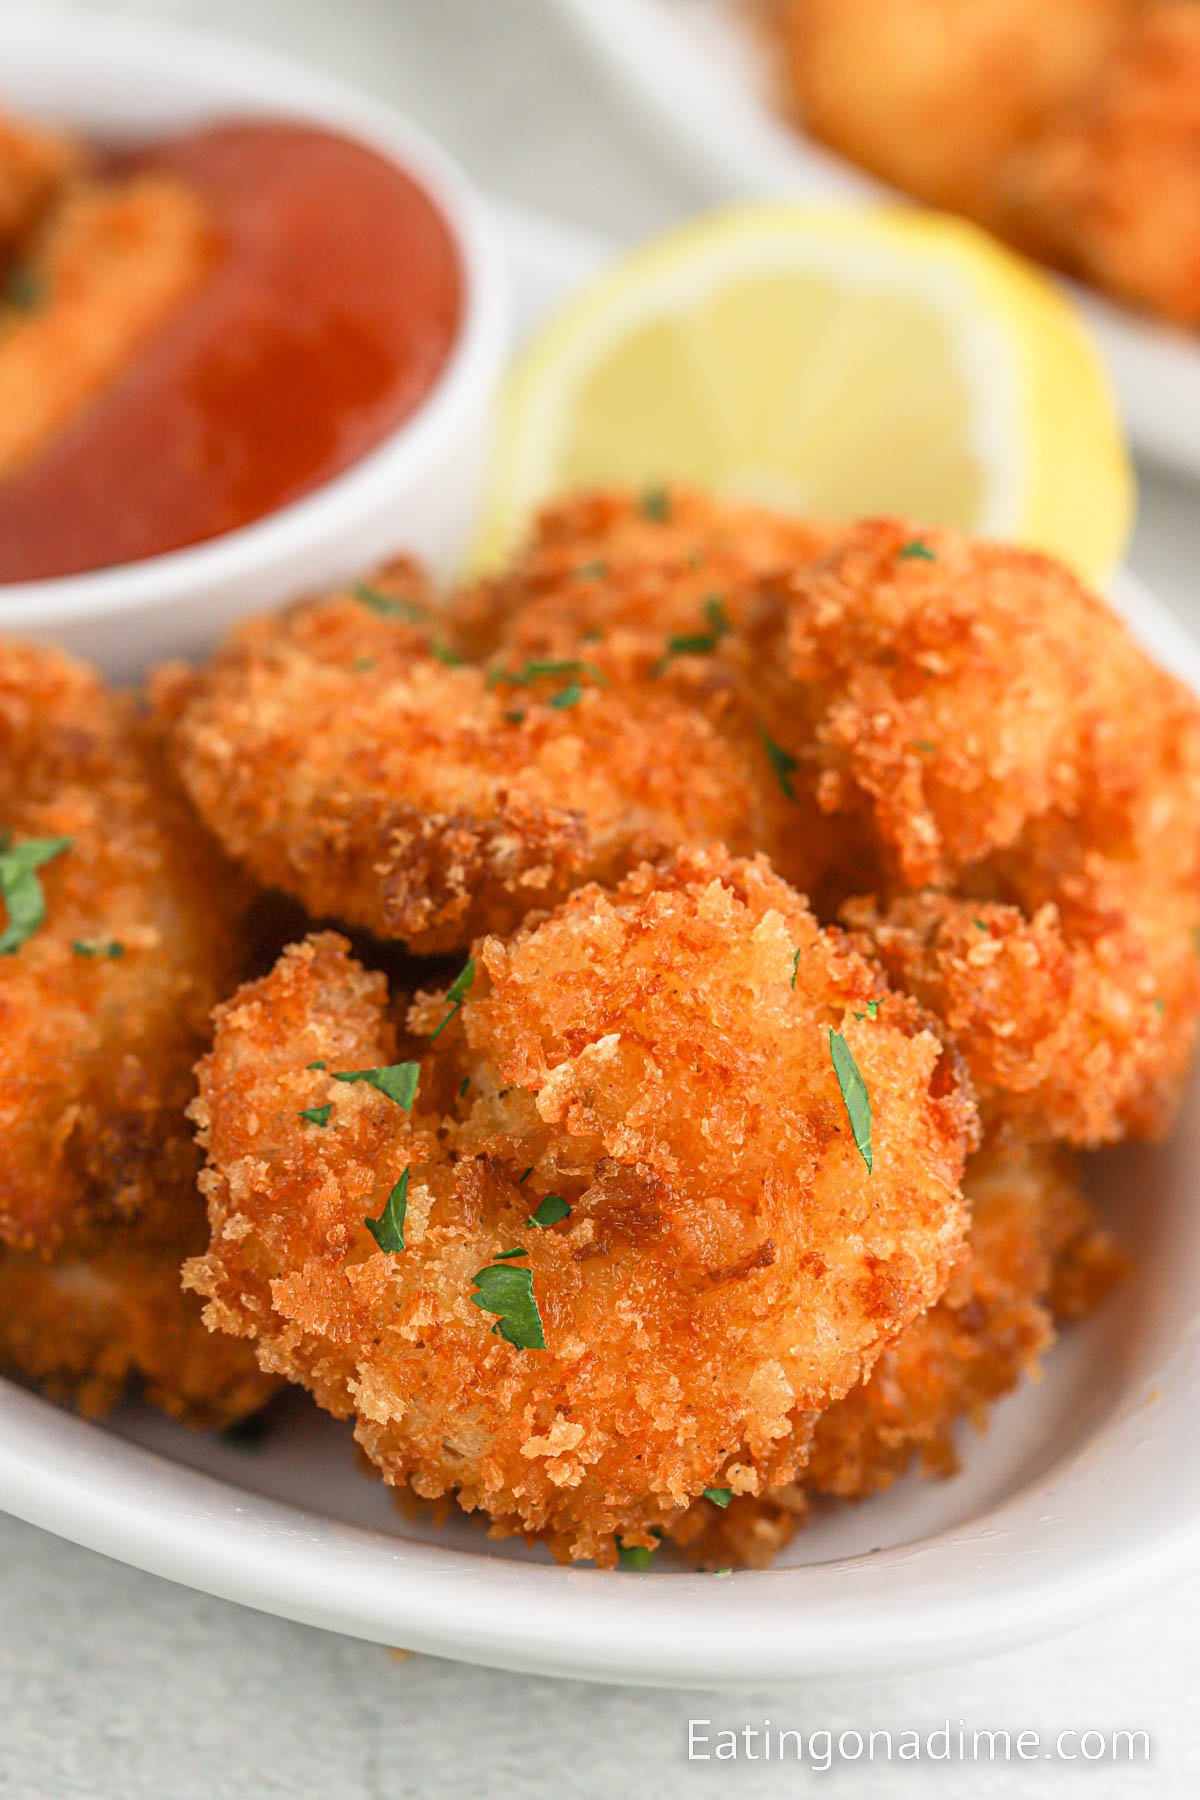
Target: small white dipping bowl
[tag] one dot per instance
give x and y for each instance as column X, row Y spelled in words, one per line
column 127, row 80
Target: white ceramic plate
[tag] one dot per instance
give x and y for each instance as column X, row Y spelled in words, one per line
column 693, row 72
column 1081, row 1496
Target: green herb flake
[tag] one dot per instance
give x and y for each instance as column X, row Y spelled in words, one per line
column 924, row 746
column 915, row 551
column 719, row 1496
column 247, row 1435
column 26, row 289
column 552, row 1209
column 388, row 606
column 463, row 1085
column 722, row 1571
column 108, row 948
column 1160, row 1005
column 317, row 1115
column 522, row 1179
column 515, row 717
column 571, row 695
column 980, row 924
column 543, row 670
column 854, row 1093
column 388, row 1228
column 872, row 1011
column 508, row 1293
column 20, row 888
column 316, row 1065
column 507, row 1255
column 446, row 654
column 796, row 967
column 397, row 1080
column 698, row 643
column 782, row 761
column 463, row 982
column 634, row 1556
column 655, row 504
column 362, row 665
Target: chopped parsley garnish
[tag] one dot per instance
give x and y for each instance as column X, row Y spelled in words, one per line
column 916, row 551
column 924, row 746
column 25, row 290
column 446, row 654
column 316, row 1065
column 463, row 1085
column 247, row 1434
column 655, row 504
column 719, row 1496
column 782, row 761
column 109, row 948
column 508, row 1293
column 592, row 571
column 522, row 1179
column 389, row 606
column 397, row 1080
column 317, row 1115
column 634, row 1556
column 571, row 668
column 722, row 1571
column 515, row 717
column 1160, row 1005
column 388, row 1228
column 871, row 1012
column 20, row 888
column 507, row 1255
column 698, row 643
column 796, row 967
column 461, row 987
column 854, row 1093
column 552, row 1209
column 980, row 924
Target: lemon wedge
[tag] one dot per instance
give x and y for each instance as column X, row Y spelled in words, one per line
column 833, row 363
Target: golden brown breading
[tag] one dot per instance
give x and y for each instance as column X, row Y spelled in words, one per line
column 1035, row 1254
column 34, row 165
column 932, row 95
column 728, row 1264
column 1028, row 784
column 106, row 1315
column 335, row 753
column 106, row 267
column 1111, row 189
column 104, row 1008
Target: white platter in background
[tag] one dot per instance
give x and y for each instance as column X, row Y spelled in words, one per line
column 693, row 73
column 1082, row 1496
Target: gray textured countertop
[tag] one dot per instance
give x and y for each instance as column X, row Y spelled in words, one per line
column 114, row 1684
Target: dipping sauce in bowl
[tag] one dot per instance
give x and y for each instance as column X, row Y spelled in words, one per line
column 324, row 298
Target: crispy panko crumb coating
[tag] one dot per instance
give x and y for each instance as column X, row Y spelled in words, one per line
column 103, row 1011
column 932, row 95
column 108, row 265
column 337, row 755
column 1111, row 189
column 728, row 1265
column 96, row 1050
column 1035, row 1255
column 1029, row 784
column 34, row 165
column 106, row 1315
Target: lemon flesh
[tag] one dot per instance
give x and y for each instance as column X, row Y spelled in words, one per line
column 828, row 363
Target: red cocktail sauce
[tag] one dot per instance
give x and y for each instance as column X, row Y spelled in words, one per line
column 331, row 309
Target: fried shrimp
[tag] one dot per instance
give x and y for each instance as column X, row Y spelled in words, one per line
column 107, row 266
column 347, row 756
column 120, row 932
column 1035, row 1256
column 932, row 95
column 631, row 1237
column 1029, row 785
column 1111, row 189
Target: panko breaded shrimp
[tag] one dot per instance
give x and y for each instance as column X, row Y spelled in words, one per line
column 1035, row 1255
column 626, row 1243
column 932, row 95
column 346, row 755
column 105, row 268
column 1028, row 783
column 1110, row 190
column 34, row 165
column 118, row 932
column 104, row 1000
